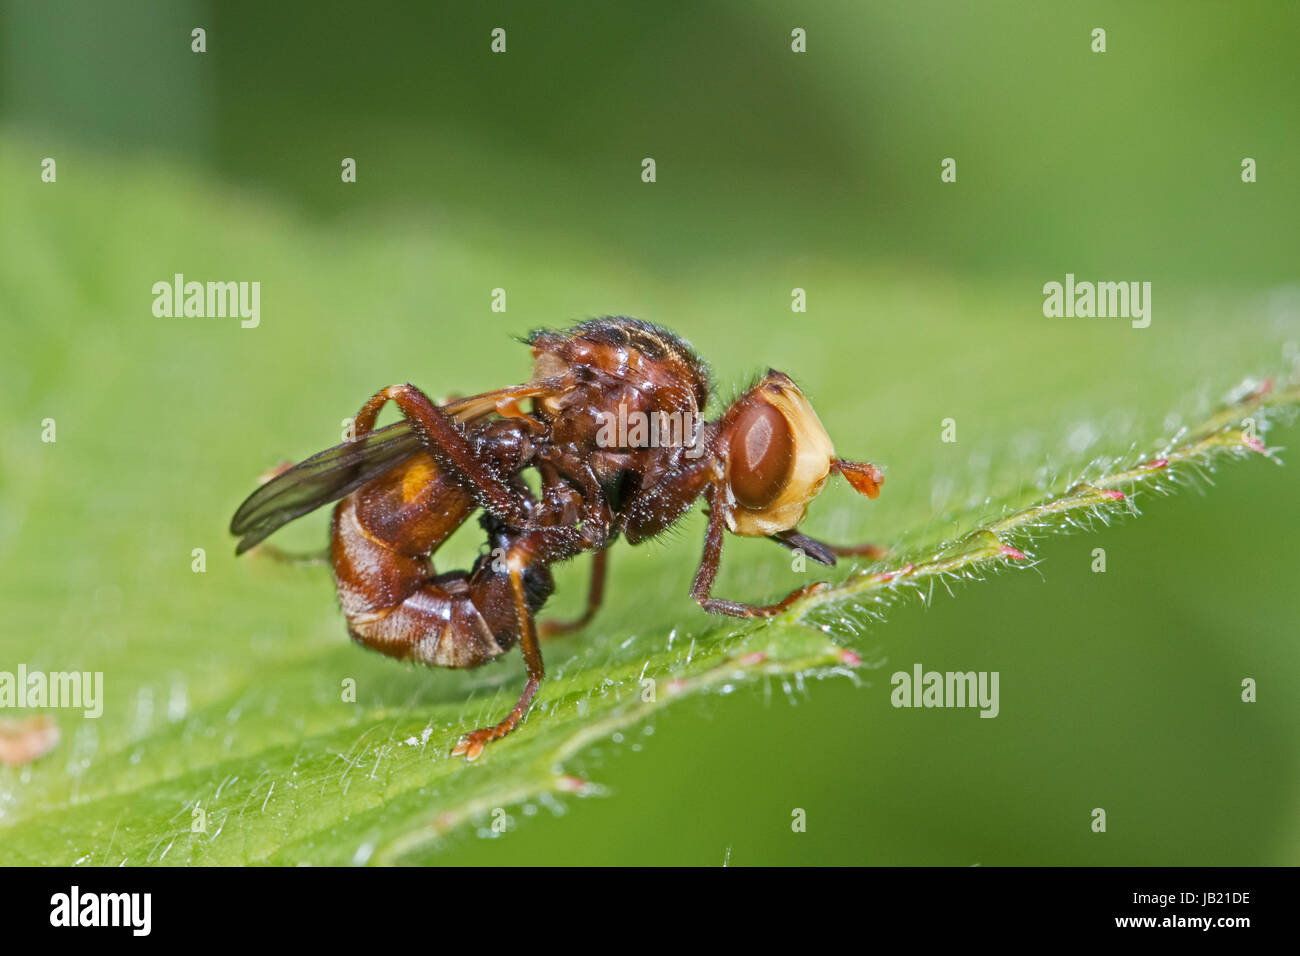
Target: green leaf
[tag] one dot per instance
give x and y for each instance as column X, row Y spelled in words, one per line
column 225, row 690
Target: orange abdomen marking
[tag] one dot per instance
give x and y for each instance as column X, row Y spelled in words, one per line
column 413, row 508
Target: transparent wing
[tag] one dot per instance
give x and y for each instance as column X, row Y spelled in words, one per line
column 341, row 470
column 321, row 479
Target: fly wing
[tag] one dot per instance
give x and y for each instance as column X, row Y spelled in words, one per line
column 321, row 479
column 341, row 470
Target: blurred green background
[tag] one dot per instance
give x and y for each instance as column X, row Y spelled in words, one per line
column 775, row 170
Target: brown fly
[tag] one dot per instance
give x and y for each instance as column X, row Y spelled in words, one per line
column 614, row 433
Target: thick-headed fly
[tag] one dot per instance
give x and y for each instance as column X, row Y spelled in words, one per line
column 614, row 434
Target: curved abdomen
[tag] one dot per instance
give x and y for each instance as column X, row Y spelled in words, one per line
column 382, row 537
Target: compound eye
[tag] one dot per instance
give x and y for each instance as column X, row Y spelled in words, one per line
column 761, row 456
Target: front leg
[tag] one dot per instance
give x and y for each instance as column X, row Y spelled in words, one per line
column 824, row 553
column 708, row 570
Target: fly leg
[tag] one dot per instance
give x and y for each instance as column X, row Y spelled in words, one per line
column 824, row 553
column 451, row 449
column 595, row 595
column 708, row 570
column 296, row 559
column 472, row 744
column 530, row 549
column 540, row 547
column 866, row 479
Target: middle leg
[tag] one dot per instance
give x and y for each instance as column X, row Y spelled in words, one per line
column 595, row 595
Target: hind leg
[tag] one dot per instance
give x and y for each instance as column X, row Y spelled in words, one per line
column 472, row 744
column 394, row 604
column 517, row 560
column 451, row 448
column 537, row 548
